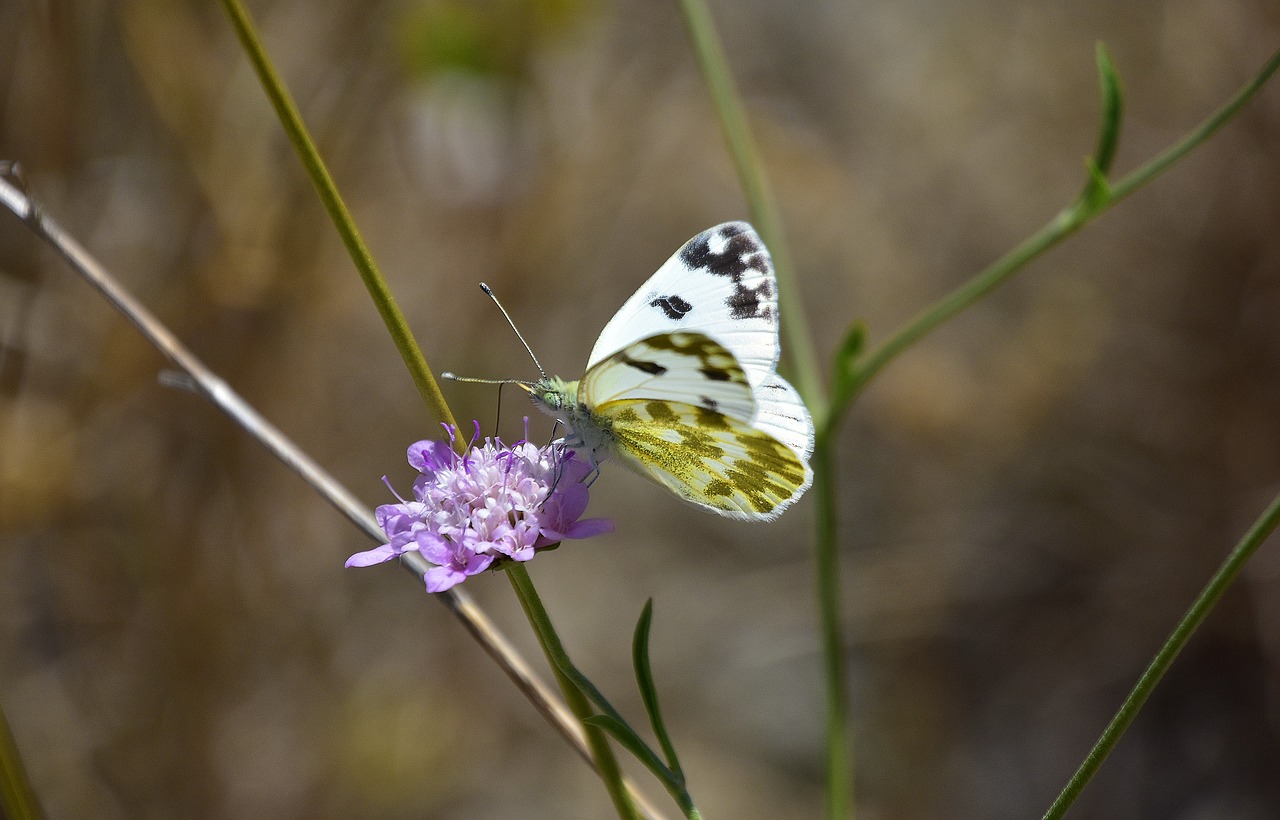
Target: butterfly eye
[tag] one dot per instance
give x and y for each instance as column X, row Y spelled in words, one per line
column 552, row 399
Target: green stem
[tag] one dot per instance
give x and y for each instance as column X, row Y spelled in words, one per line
column 760, row 200
column 293, row 125
column 1186, row 627
column 1161, row 162
column 606, row 763
column 1059, row 228
column 840, row 801
column 17, row 798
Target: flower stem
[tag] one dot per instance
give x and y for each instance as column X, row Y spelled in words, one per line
column 17, row 798
column 827, row 573
column 605, row 761
column 1186, row 627
column 294, row 127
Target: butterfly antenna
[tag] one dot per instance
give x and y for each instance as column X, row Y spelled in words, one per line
column 454, row 377
column 489, row 292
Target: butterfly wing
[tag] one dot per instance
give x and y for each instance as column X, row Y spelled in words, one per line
column 683, row 367
column 681, row 410
column 720, row 284
column 782, row 414
column 707, row 458
column 684, row 379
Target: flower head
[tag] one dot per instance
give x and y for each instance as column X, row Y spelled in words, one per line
column 496, row 502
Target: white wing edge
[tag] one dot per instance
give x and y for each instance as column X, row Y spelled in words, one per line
column 781, row 413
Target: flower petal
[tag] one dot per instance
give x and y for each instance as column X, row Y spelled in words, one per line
column 588, row 527
column 430, row 456
column 374, row 556
column 438, row 579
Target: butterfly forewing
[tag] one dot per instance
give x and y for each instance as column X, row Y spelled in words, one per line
column 720, row 284
column 681, row 367
column 708, row 458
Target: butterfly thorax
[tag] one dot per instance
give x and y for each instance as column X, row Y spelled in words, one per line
column 590, row 432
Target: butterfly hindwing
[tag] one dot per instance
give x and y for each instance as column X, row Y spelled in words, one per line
column 781, row 413
column 707, row 458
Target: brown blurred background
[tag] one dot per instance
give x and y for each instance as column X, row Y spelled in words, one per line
column 1031, row 497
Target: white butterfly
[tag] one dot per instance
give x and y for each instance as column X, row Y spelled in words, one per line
column 681, row 385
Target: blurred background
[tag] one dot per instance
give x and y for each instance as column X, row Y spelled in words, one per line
column 1030, row 498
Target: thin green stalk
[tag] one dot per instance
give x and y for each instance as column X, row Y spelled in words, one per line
column 606, row 763
column 1161, row 162
column 827, row 572
column 287, row 111
column 760, row 200
column 1059, row 228
column 17, row 798
column 1186, row 627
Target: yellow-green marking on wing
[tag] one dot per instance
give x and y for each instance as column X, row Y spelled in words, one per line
column 706, row 457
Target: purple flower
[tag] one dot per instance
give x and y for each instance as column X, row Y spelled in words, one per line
column 493, row 503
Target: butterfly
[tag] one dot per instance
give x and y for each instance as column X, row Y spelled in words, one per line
column 682, row 385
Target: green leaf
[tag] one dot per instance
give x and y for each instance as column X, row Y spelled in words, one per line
column 843, row 372
column 649, row 692
column 612, row 722
column 1112, row 112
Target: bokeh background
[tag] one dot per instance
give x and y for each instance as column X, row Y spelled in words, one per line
column 1030, row 498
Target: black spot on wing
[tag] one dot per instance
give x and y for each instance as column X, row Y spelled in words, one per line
column 745, row 302
column 715, row 374
column 709, row 403
column 673, row 306
column 741, row 251
column 652, row 368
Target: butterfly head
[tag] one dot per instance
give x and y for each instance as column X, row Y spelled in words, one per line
column 554, row 395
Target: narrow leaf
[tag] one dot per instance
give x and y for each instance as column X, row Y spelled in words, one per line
column 648, row 691
column 1112, row 112
column 844, row 372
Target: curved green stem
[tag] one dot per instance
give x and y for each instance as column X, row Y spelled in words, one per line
column 606, row 763
column 1186, row 627
column 1161, row 162
column 386, row 304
